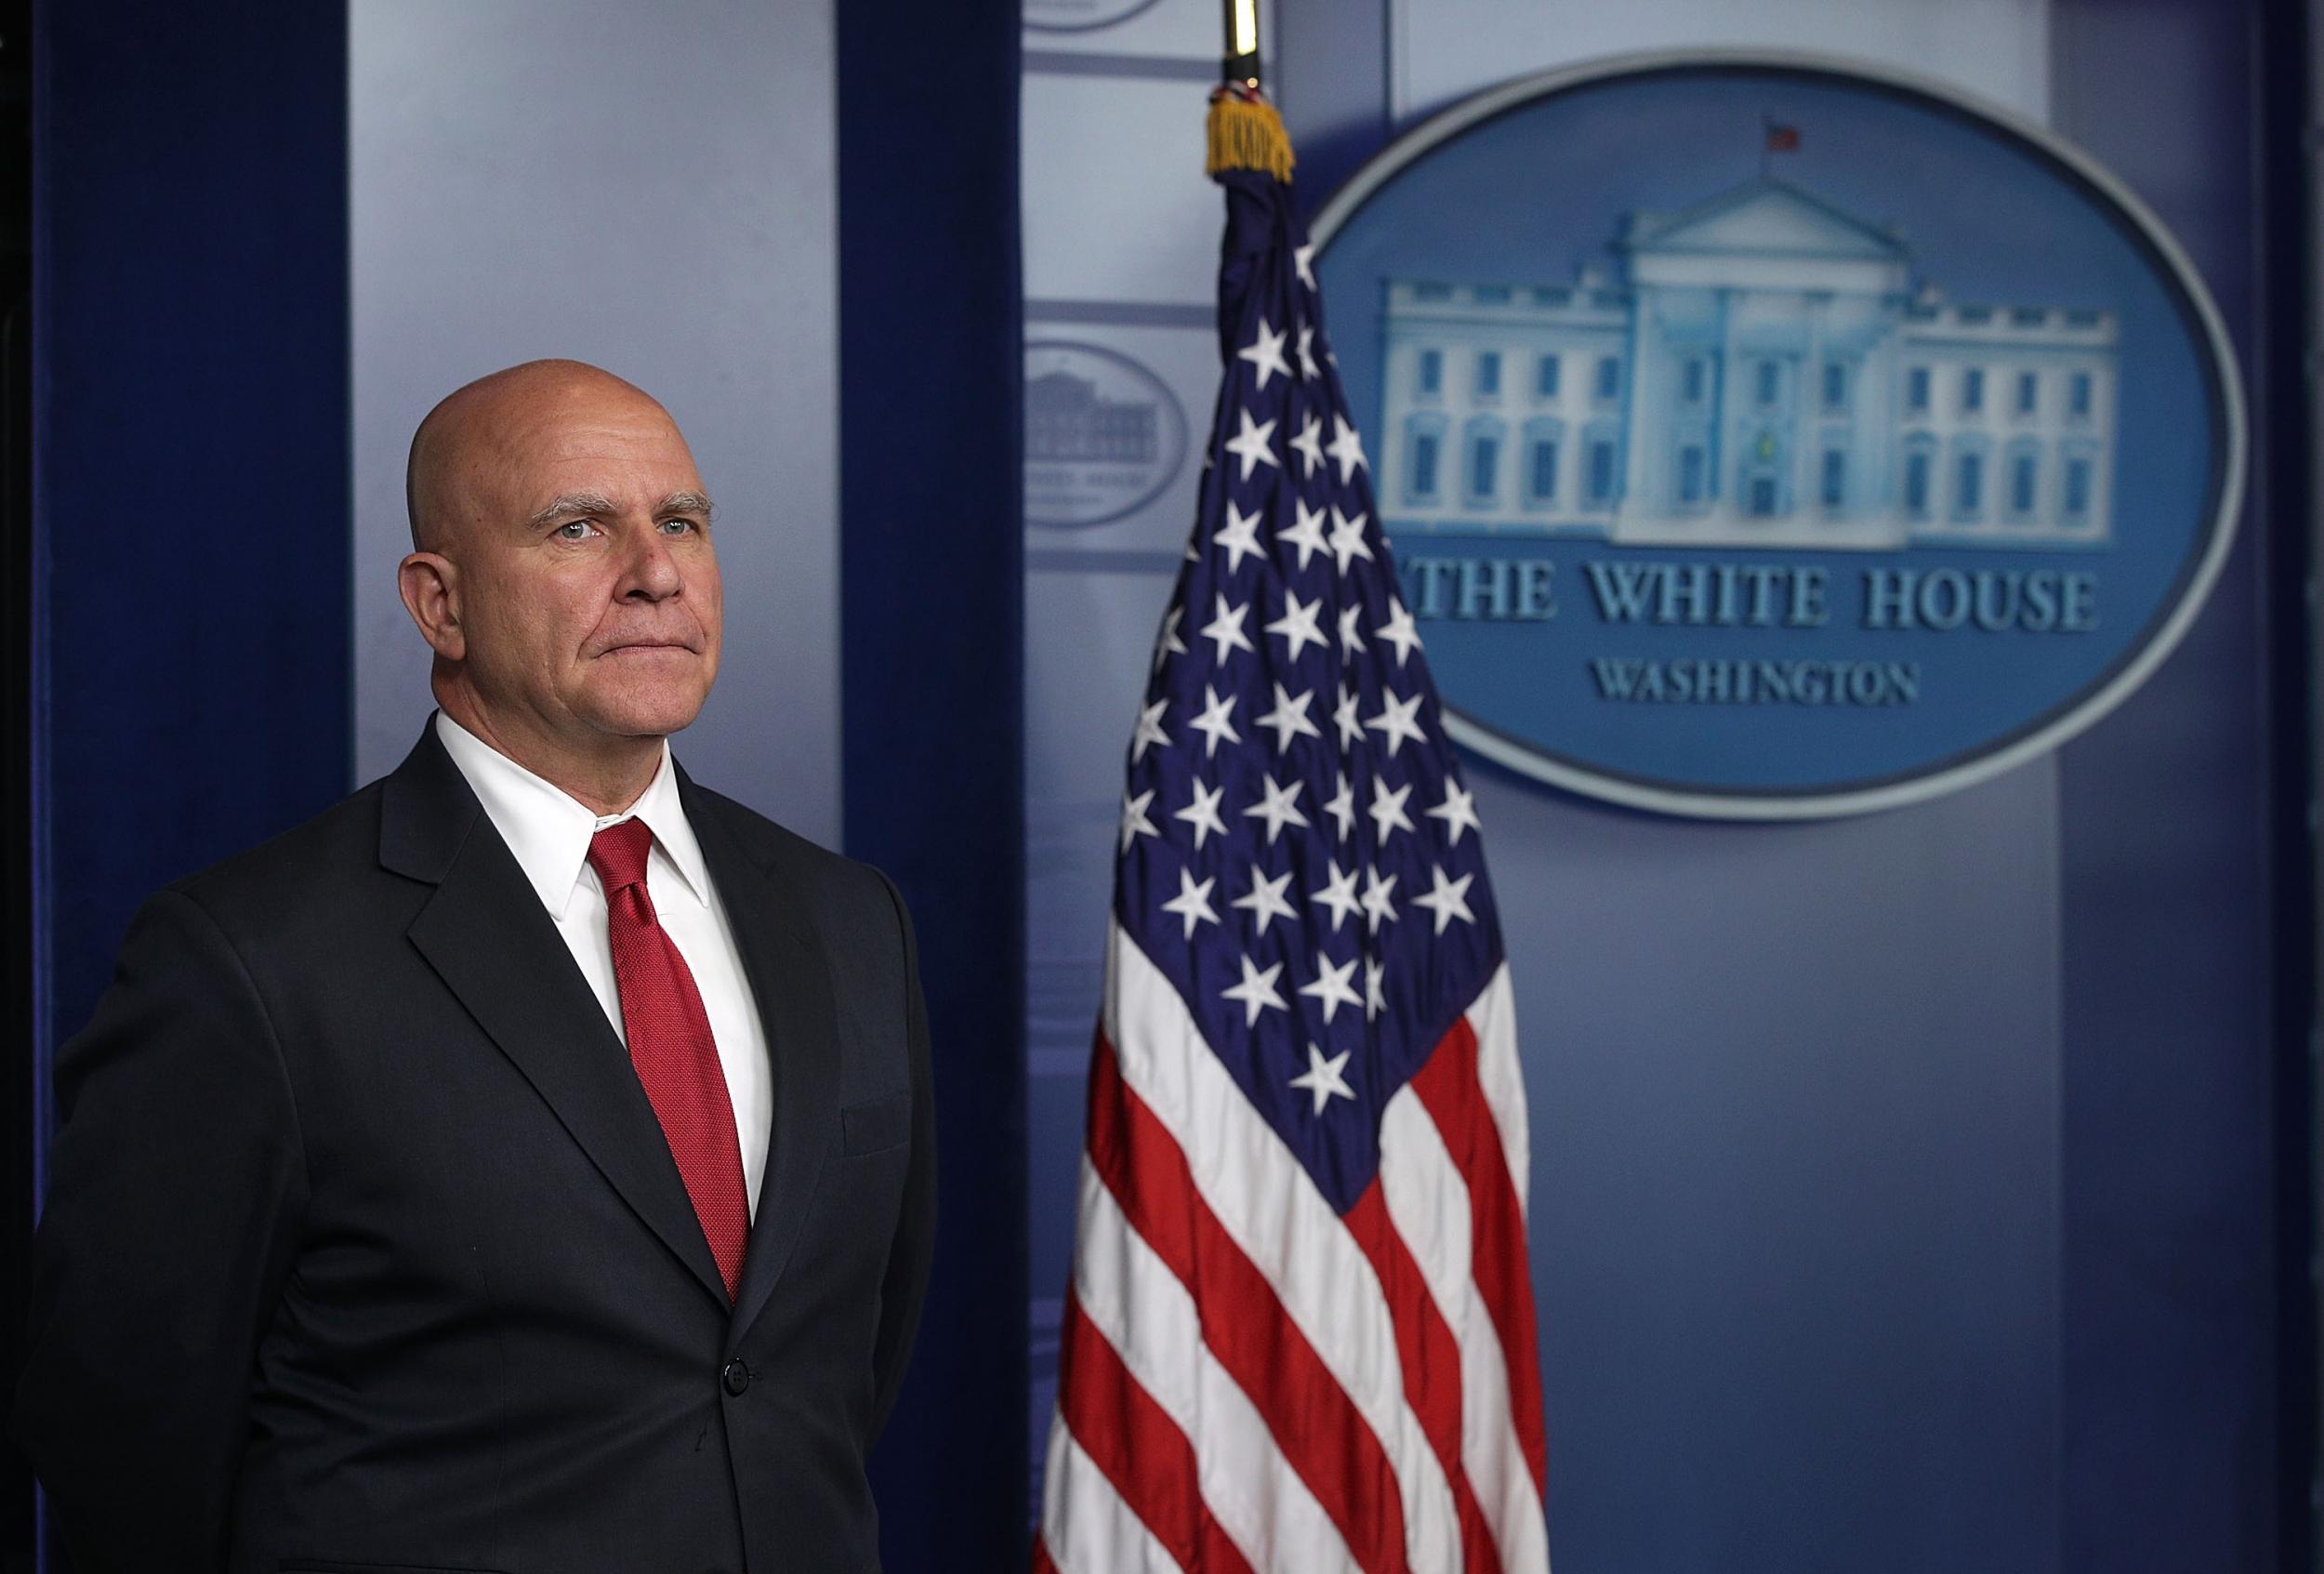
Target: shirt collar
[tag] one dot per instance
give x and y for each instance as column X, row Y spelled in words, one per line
column 549, row 831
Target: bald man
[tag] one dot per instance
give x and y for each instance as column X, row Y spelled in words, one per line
column 527, row 1165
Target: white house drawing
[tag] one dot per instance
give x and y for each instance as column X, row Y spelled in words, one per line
column 1762, row 371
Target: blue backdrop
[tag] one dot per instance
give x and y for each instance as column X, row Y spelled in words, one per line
column 1921, row 1190
column 1919, row 1182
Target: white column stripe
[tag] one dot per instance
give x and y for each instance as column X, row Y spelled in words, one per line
column 1265, row 1200
column 1428, row 1202
column 1494, row 1018
column 1085, row 1524
column 1132, row 1297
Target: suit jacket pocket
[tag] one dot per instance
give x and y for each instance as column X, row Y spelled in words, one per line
column 883, row 1122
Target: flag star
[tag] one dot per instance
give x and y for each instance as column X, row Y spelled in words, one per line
column 1322, row 1078
column 1193, row 901
column 1345, row 446
column 1303, row 257
column 1307, row 354
column 1213, row 723
column 1225, row 629
column 1332, row 987
column 1257, row 991
column 1250, row 444
column 1399, row 632
column 1265, row 353
column 1378, row 909
column 1339, row 894
column 1240, row 536
column 1395, row 722
column 1134, row 821
column 1297, row 623
column 1347, row 539
column 1375, row 998
column 1203, row 813
column 1307, row 533
column 1278, row 808
column 1342, row 807
column 1309, row 446
column 1351, row 641
column 1265, row 902
column 1150, row 729
column 1289, row 718
column 1458, row 811
column 1169, row 644
column 1449, row 900
column 1343, row 717
column 1386, row 809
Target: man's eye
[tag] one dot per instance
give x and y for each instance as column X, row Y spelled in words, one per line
column 677, row 526
column 574, row 530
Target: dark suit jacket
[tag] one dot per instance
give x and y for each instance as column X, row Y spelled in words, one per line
column 364, row 1248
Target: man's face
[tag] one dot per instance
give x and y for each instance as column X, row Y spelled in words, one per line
column 588, row 590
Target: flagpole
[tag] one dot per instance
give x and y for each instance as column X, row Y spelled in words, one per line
column 1240, row 61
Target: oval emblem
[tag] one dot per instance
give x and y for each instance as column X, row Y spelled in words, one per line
column 1103, row 436
column 1765, row 438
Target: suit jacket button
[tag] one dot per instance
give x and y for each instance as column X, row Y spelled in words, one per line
column 736, row 1377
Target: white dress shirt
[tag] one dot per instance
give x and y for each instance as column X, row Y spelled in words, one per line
column 549, row 833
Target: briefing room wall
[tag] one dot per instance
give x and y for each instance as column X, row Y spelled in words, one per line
column 653, row 189
column 2130, row 875
column 1836, row 1126
column 2182, row 1430
column 1796, row 1089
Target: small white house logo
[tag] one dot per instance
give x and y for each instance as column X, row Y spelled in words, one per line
column 1103, row 436
column 1816, row 486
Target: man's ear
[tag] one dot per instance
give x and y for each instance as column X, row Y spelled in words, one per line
column 430, row 587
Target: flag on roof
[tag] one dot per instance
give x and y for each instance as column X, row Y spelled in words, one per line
column 1300, row 1334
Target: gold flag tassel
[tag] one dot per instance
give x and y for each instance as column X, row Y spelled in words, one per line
column 1247, row 133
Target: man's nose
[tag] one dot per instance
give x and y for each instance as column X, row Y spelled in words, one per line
column 653, row 571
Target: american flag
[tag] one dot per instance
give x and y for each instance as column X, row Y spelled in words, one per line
column 1300, row 1334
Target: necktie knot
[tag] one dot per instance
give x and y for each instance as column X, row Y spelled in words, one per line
column 618, row 853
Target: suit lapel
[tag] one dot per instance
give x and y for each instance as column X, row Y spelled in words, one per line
column 486, row 936
column 792, row 986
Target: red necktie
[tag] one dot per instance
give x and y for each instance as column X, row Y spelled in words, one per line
column 671, row 1047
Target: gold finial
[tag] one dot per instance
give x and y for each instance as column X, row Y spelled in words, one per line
column 1240, row 63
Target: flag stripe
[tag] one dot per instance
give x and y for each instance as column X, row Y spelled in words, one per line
column 1431, row 1362
column 1307, row 1411
column 1140, row 1307
column 1086, row 1528
column 1503, row 1081
column 1447, row 1086
column 1271, row 1212
column 1140, row 1449
column 1428, row 1203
